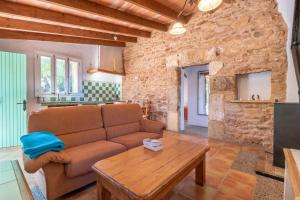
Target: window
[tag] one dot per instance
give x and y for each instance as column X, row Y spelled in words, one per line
column 46, row 74
column 203, row 92
column 206, row 93
column 60, row 76
column 73, row 77
column 57, row 75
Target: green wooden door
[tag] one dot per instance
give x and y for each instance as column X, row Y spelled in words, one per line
column 12, row 98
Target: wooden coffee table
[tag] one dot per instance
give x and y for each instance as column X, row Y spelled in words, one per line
column 143, row 174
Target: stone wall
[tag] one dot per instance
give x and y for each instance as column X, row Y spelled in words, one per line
column 250, row 123
column 242, row 36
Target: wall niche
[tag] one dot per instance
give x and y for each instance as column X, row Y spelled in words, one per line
column 254, row 86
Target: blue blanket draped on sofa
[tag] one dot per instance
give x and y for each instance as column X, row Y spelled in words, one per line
column 38, row 143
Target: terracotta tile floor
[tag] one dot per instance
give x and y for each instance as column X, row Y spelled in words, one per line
column 222, row 182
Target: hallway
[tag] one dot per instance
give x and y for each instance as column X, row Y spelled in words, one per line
column 196, row 130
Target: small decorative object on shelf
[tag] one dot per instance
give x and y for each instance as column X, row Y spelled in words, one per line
column 255, row 97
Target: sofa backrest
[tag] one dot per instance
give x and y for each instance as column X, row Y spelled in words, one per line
column 121, row 119
column 74, row 125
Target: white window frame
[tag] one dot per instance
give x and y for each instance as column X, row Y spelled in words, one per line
column 38, row 88
column 53, row 75
column 66, row 74
column 79, row 77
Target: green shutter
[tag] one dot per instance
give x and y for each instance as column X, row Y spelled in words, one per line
column 12, row 91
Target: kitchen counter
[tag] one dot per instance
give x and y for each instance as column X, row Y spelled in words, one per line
column 76, row 103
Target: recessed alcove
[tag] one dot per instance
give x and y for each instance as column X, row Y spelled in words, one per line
column 255, row 85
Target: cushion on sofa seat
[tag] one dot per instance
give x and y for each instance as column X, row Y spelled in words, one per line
column 83, row 137
column 134, row 139
column 74, row 125
column 119, row 114
column 84, row 156
column 64, row 120
column 116, row 131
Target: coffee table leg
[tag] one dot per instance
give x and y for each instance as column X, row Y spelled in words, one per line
column 102, row 192
column 200, row 173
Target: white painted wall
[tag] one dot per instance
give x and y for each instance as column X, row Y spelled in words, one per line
column 286, row 7
column 192, row 77
column 109, row 55
column 254, row 84
column 88, row 54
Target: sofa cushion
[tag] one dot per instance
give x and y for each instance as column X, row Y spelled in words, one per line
column 120, row 130
column 84, row 156
column 83, row 137
column 134, row 139
column 119, row 114
column 64, row 120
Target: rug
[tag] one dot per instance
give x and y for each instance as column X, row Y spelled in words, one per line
column 37, row 193
column 87, row 192
column 245, row 162
column 266, row 188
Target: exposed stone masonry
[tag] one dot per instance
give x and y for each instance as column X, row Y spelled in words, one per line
column 249, row 123
column 242, row 36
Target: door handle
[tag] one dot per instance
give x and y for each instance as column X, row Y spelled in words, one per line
column 24, row 103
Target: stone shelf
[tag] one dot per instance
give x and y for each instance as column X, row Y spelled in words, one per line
column 251, row 101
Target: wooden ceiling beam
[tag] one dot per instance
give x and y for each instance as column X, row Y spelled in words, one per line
column 158, row 8
column 21, row 25
column 10, row 34
column 11, row 8
column 103, row 11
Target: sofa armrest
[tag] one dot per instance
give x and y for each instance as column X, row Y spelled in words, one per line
column 152, row 126
column 33, row 165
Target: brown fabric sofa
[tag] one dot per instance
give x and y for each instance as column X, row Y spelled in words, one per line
column 90, row 133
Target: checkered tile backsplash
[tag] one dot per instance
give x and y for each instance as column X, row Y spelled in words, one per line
column 93, row 91
column 101, row 91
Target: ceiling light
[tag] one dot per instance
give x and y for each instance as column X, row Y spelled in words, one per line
column 177, row 28
column 209, row 5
